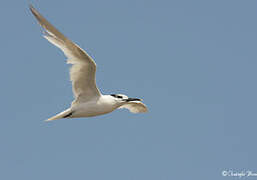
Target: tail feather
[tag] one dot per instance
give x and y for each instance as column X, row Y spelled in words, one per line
column 61, row 115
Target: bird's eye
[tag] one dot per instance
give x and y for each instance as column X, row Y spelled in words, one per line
column 116, row 96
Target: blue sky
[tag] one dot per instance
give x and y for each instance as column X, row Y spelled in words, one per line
column 193, row 62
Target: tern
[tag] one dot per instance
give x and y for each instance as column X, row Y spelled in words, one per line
column 88, row 100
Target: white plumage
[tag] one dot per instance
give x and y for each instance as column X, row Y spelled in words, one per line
column 88, row 99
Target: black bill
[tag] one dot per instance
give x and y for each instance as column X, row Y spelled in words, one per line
column 132, row 99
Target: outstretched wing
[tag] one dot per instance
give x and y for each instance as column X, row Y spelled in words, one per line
column 135, row 107
column 82, row 72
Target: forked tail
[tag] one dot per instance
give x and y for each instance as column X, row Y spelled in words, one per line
column 61, row 115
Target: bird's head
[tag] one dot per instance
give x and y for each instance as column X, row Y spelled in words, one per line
column 123, row 98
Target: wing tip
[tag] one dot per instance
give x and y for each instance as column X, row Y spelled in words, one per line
column 34, row 12
column 31, row 8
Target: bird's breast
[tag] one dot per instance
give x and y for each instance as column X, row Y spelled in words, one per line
column 92, row 109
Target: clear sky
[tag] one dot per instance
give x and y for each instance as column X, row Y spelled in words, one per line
column 193, row 62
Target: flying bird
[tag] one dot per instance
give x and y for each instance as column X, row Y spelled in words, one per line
column 88, row 100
